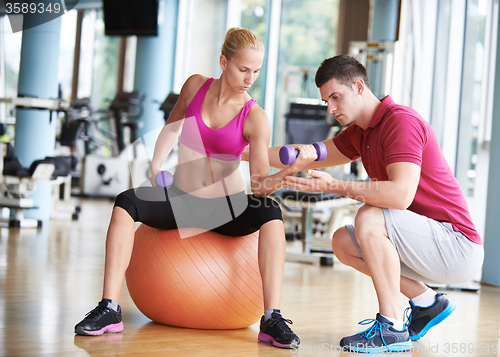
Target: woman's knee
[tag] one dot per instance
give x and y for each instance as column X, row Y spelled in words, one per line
column 120, row 217
column 126, row 202
column 274, row 226
column 268, row 211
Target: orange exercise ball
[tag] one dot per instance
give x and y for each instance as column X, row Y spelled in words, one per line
column 206, row 281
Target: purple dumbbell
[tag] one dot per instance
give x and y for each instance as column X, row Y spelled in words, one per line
column 164, row 179
column 288, row 154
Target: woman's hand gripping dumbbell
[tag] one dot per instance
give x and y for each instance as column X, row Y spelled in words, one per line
column 288, row 154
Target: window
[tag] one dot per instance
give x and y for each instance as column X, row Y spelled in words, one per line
column 476, row 106
column 460, row 106
column 105, row 65
column 10, row 59
column 307, row 37
column 471, row 93
column 254, row 16
column 200, row 34
column 66, row 52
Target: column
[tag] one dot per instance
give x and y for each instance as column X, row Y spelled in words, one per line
column 35, row 130
column 491, row 267
column 154, row 68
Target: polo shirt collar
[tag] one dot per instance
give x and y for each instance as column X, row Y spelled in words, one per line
column 379, row 113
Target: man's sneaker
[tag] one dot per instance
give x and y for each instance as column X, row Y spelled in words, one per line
column 276, row 331
column 100, row 320
column 379, row 338
column 421, row 319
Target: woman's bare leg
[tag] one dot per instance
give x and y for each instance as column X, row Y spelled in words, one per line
column 119, row 244
column 272, row 251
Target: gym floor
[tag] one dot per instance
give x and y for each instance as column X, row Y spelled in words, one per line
column 50, row 278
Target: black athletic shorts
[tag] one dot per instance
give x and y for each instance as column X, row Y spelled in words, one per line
column 234, row 215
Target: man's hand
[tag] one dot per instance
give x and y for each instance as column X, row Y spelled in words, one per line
column 319, row 181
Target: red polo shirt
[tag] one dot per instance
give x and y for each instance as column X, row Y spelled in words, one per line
column 399, row 134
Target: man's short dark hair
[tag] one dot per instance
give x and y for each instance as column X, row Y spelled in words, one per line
column 344, row 69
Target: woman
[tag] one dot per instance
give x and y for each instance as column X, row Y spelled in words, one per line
column 216, row 120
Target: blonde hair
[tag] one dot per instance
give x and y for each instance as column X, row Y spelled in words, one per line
column 240, row 39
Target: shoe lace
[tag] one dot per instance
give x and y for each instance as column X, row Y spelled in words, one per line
column 370, row 332
column 409, row 311
column 408, row 314
column 97, row 311
column 281, row 324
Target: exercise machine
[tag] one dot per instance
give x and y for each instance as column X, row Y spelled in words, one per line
column 106, row 136
column 18, row 183
column 17, row 186
column 312, row 218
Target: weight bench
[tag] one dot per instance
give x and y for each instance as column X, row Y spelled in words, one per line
column 307, row 122
column 16, row 195
column 17, row 184
column 315, row 249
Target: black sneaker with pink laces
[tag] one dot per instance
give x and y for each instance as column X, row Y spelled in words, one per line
column 276, row 331
column 100, row 320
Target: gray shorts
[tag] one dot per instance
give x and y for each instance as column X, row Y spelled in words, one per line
column 430, row 251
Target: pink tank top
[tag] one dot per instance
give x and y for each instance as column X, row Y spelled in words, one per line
column 226, row 143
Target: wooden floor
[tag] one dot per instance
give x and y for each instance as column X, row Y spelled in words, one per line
column 50, row 278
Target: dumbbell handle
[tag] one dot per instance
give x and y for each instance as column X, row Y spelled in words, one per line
column 164, row 179
column 288, row 154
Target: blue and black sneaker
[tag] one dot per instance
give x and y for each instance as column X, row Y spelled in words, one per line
column 379, row 338
column 276, row 331
column 100, row 320
column 421, row 319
